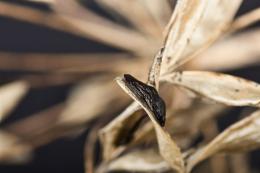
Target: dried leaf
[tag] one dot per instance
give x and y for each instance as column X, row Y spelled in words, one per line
column 95, row 27
column 178, row 124
column 10, row 95
column 136, row 13
column 112, row 132
column 90, row 150
column 34, row 127
column 37, row 17
column 68, row 63
column 154, row 73
column 145, row 96
column 219, row 87
column 241, row 136
column 245, row 20
column 87, row 102
column 225, row 55
column 122, row 127
column 194, row 25
column 11, row 150
column 160, row 10
column 101, row 29
column 139, row 161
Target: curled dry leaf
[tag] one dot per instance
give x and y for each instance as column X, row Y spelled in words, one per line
column 11, row 150
column 241, row 136
column 225, row 54
column 167, row 147
column 149, row 95
column 121, row 132
column 219, row 87
column 178, row 124
column 10, row 95
column 123, row 127
column 194, row 25
column 139, row 161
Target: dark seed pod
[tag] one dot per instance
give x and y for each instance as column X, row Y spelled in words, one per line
column 149, row 96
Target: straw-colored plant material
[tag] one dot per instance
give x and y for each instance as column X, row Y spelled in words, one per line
column 144, row 95
column 194, row 25
column 246, row 20
column 219, row 87
column 178, row 104
column 140, row 161
column 86, row 102
column 101, row 29
column 112, row 131
column 10, row 95
column 127, row 120
column 66, row 63
column 241, row 136
column 159, row 10
column 225, row 55
column 137, row 13
column 11, row 150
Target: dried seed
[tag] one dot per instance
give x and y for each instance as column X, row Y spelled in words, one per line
column 149, row 96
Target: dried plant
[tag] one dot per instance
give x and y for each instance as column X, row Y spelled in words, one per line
column 180, row 98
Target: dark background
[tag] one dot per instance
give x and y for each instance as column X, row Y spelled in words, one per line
column 66, row 155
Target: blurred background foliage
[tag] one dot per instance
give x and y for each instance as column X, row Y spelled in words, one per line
column 66, row 155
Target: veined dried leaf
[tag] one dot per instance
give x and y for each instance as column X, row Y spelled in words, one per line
column 145, row 96
column 194, row 25
column 225, row 54
column 241, row 136
column 10, row 95
column 86, row 101
column 139, row 161
column 11, row 150
column 219, row 87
